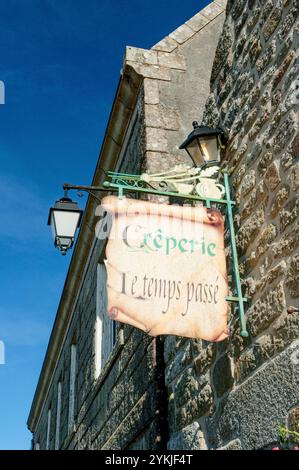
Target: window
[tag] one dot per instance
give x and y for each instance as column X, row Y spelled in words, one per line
column 72, row 386
column 58, row 415
column 48, row 429
column 105, row 328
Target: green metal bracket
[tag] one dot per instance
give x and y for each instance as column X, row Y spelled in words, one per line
column 236, row 271
column 187, row 183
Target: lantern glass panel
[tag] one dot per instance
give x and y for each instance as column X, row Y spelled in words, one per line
column 210, row 149
column 65, row 223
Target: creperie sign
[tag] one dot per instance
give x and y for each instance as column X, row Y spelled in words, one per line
column 166, row 268
column 163, row 243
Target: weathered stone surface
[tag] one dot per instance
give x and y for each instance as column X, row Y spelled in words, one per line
column 211, row 11
column 292, row 278
column 289, row 214
column 200, row 405
column 182, row 33
column 277, row 382
column 248, row 231
column 272, row 22
column 197, row 22
column 233, row 445
column 284, row 67
column 241, row 23
column 238, row 6
column 211, row 113
column 189, row 438
column 150, row 71
column 186, row 387
column 264, row 162
column 294, row 419
column 173, row 60
column 266, row 309
column 156, row 140
column 253, row 18
column 273, row 274
column 287, row 159
column 265, row 239
column 204, row 359
column 151, row 91
column 295, row 145
column 288, row 22
column 221, row 52
column 286, row 330
column 144, row 56
column 287, row 243
column 255, row 49
column 161, row 117
column 167, row 44
column 294, row 177
column 272, row 177
column 247, row 184
column 263, row 62
column 279, row 200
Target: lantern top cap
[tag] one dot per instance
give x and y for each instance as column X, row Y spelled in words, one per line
column 64, row 204
column 201, row 131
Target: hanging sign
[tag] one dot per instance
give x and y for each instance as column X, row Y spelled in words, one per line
column 166, row 268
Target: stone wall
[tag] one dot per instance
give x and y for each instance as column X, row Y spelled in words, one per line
column 236, row 394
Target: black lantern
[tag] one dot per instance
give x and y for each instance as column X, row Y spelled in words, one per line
column 203, row 145
column 64, row 219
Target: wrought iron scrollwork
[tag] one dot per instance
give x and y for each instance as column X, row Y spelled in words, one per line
column 182, row 179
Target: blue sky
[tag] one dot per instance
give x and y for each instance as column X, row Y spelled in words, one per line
column 60, row 62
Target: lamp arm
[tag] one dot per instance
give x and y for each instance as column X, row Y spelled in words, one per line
column 88, row 189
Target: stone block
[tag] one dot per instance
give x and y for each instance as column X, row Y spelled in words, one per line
column 273, row 275
column 294, row 177
column 248, row 231
column 292, row 277
column 272, row 177
column 295, row 145
column 167, row 44
column 287, row 244
column 173, row 60
column 150, row 71
column 156, row 139
column 151, row 91
column 197, row 22
column 204, row 359
column 272, row 22
column 289, row 214
column 265, row 239
column 189, row 438
column 264, row 162
column 247, row 183
column 185, row 388
column 264, row 61
column 211, row 11
column 222, row 52
column 288, row 22
column 182, row 34
column 286, row 330
column 232, row 445
column 143, row 56
column 255, row 49
column 238, row 7
column 266, row 309
column 279, row 74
